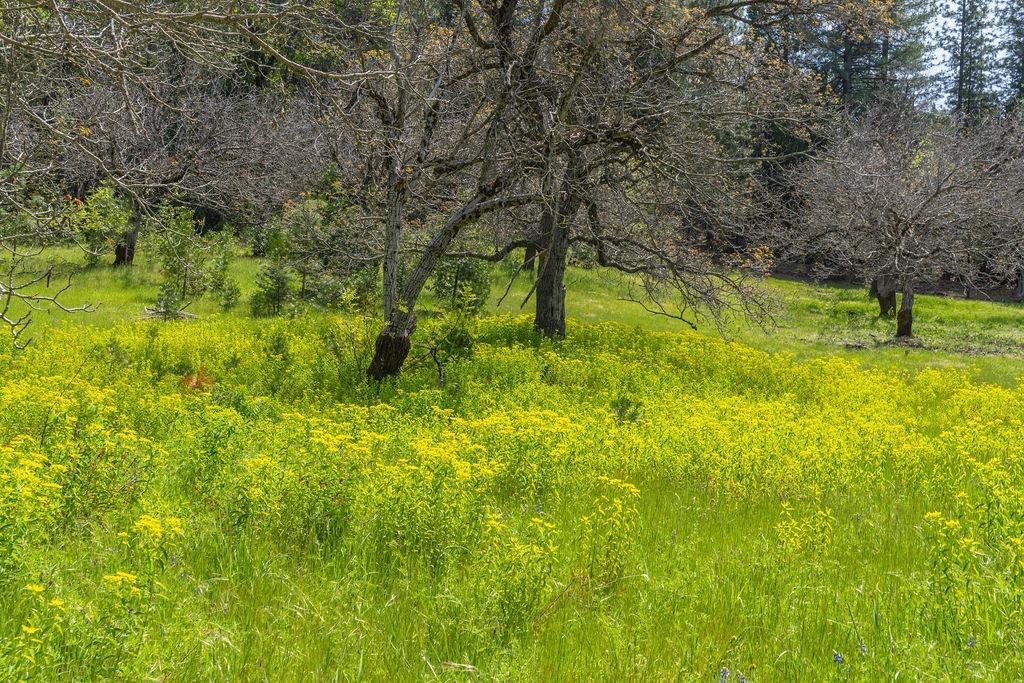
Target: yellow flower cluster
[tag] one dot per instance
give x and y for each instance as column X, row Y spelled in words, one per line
column 541, row 475
column 154, row 530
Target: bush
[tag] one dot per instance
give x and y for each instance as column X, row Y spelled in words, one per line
column 183, row 261
column 98, row 222
column 274, row 289
column 463, row 284
column 191, row 266
column 222, row 285
column 314, row 244
column 356, row 293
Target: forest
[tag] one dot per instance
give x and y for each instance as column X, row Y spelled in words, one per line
column 511, row 340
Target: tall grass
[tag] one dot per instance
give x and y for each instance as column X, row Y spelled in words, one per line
column 229, row 500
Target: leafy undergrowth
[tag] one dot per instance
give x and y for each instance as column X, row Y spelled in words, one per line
column 229, row 500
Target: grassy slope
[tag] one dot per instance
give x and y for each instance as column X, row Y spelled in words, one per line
column 809, row 320
column 813, row 320
column 721, row 575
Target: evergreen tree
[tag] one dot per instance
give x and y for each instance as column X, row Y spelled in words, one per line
column 864, row 61
column 872, row 51
column 972, row 57
column 1013, row 49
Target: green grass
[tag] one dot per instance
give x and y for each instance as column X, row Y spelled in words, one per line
column 811, row 502
column 119, row 294
column 812, row 320
column 808, row 320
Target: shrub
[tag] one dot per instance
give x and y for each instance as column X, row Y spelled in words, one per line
column 224, row 287
column 274, row 289
column 463, row 284
column 184, row 261
column 98, row 222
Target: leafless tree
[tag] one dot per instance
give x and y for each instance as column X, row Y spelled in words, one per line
column 100, row 89
column 902, row 199
column 634, row 125
column 236, row 155
column 624, row 125
column 467, row 115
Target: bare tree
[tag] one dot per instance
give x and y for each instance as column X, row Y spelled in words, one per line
column 902, row 200
column 636, row 122
column 28, row 218
column 436, row 136
column 102, row 90
column 541, row 112
column 237, row 156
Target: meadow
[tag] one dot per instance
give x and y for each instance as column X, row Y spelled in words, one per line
column 228, row 499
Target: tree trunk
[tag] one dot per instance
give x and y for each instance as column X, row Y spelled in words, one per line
column 555, row 230
column 905, row 317
column 392, row 348
column 530, row 259
column 883, row 289
column 887, row 303
column 1019, row 294
column 846, row 77
column 550, row 293
column 550, row 314
column 393, row 244
column 124, row 250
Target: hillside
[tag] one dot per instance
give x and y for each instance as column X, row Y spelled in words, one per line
column 228, row 499
column 808, row 320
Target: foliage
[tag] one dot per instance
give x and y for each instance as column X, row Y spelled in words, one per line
column 622, row 505
column 274, row 289
column 463, row 283
column 307, row 246
column 191, row 266
column 1013, row 51
column 222, row 285
column 183, row 261
column 972, row 53
column 98, row 222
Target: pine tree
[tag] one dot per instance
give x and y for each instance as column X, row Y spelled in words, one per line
column 872, row 54
column 903, row 47
column 1013, row 50
column 972, row 57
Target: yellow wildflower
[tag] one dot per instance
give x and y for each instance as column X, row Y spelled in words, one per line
column 120, row 577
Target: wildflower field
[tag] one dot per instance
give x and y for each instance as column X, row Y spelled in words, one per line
column 229, row 500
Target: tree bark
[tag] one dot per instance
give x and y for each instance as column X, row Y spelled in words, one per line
column 530, row 259
column 846, row 77
column 883, row 289
column 392, row 348
column 905, row 317
column 124, row 250
column 549, row 317
column 392, row 247
column 550, row 312
column 563, row 202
